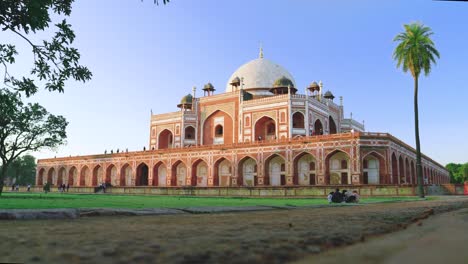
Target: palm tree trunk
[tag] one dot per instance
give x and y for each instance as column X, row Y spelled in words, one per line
column 418, row 147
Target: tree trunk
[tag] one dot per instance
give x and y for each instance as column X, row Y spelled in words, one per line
column 418, row 147
column 2, row 177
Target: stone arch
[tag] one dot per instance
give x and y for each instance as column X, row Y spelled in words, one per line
column 52, row 176
column 222, row 172
column 142, row 174
column 85, row 179
column 373, row 169
column 265, row 128
column 165, row 139
column 126, row 175
column 179, row 174
column 62, row 176
column 98, row 175
column 305, row 169
column 111, row 175
column 40, row 177
column 318, row 127
column 275, row 170
column 332, row 125
column 214, row 120
column 394, row 169
column 247, row 172
column 424, row 175
column 407, row 171
column 337, row 168
column 431, row 181
column 413, row 173
column 160, row 174
column 200, row 173
column 401, row 170
column 189, row 132
column 298, row 120
column 73, row 178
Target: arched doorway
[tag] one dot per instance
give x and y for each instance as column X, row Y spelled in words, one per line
column 222, row 173
column 98, row 175
column 52, row 176
column 304, row 169
column 126, row 175
column 85, row 176
column 332, row 125
column 373, row 169
column 111, row 175
column 318, row 127
column 179, row 174
column 247, row 172
column 189, row 133
column 407, row 171
column 413, row 173
column 275, row 171
column 40, row 177
column 142, row 175
column 200, row 173
column 337, row 168
column 62, row 177
column 165, row 139
column 394, row 169
column 401, row 170
column 265, row 129
column 298, row 120
column 73, row 176
column 217, row 129
column 160, row 174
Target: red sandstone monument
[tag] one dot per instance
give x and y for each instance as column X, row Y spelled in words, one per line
column 260, row 132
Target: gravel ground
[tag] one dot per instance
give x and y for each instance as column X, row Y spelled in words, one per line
column 262, row 237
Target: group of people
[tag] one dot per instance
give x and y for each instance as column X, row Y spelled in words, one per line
column 16, row 187
column 102, row 187
column 343, row 196
column 63, row 187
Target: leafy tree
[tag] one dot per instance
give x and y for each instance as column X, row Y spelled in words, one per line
column 454, row 170
column 465, row 172
column 29, row 127
column 416, row 52
column 22, row 170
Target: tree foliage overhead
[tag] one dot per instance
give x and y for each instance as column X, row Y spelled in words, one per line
column 28, row 126
column 416, row 51
column 55, row 60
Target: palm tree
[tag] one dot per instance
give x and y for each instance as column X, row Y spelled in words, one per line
column 415, row 53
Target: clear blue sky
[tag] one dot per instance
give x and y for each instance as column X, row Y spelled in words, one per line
column 147, row 57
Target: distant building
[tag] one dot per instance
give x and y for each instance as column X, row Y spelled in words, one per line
column 262, row 131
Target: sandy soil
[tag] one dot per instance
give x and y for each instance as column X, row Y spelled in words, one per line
column 262, row 237
column 441, row 239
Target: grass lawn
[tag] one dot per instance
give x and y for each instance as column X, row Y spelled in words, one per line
column 55, row 200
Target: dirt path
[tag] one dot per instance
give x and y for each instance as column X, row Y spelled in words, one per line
column 441, row 239
column 262, row 237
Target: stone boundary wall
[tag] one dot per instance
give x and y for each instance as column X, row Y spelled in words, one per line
column 290, row 191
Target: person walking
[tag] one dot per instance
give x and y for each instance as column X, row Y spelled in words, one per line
column 68, row 186
column 29, row 187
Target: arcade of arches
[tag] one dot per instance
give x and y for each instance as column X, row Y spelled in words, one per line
column 278, row 168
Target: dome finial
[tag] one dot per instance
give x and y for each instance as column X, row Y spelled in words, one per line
column 260, row 55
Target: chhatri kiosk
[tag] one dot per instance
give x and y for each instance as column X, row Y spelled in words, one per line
column 262, row 131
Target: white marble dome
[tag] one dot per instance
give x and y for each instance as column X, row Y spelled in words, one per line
column 259, row 76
